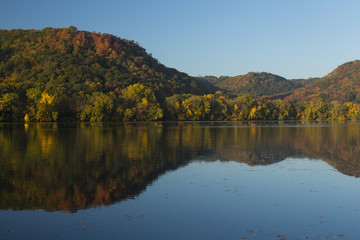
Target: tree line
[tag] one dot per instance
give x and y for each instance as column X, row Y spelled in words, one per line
column 139, row 103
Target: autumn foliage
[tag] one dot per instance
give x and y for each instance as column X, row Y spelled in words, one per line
column 69, row 75
column 61, row 74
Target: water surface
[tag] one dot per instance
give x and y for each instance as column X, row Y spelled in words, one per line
column 180, row 181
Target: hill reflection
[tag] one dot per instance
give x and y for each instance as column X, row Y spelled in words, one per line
column 77, row 166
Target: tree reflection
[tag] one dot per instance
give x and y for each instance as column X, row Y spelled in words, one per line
column 76, row 166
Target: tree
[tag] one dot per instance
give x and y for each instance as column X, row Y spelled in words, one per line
column 337, row 111
column 196, row 108
column 353, row 112
column 283, row 110
column 173, row 109
column 46, row 110
column 98, row 109
column 138, row 103
column 9, row 110
column 240, row 107
column 316, row 109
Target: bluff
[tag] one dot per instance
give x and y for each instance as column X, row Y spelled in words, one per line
column 67, row 66
column 342, row 84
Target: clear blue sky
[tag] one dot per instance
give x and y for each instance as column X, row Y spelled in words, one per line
column 291, row 38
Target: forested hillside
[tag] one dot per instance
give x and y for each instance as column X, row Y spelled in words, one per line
column 56, row 74
column 342, row 84
column 69, row 75
column 256, row 84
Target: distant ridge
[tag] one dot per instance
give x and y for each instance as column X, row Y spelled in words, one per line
column 255, row 83
column 342, row 84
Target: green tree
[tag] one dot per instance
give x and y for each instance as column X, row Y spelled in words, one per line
column 9, row 110
column 98, row 109
column 241, row 108
column 33, row 97
column 218, row 107
column 283, row 110
column 173, row 109
column 316, row 109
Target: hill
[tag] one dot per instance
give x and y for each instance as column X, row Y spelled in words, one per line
column 66, row 67
column 65, row 74
column 342, row 84
column 256, row 84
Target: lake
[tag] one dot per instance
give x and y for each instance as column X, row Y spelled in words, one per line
column 180, row 180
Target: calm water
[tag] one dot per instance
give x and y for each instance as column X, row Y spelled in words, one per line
column 180, row 181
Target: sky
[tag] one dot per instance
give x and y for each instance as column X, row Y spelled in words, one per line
column 290, row 38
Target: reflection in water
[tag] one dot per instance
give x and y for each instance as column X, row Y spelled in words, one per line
column 76, row 166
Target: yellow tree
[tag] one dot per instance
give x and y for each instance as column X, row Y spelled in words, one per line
column 138, row 103
column 46, row 111
column 353, row 112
